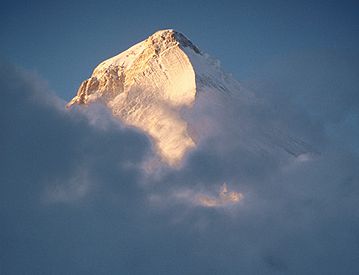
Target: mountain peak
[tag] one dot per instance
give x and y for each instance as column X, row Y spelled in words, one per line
column 169, row 36
column 153, row 84
column 167, row 88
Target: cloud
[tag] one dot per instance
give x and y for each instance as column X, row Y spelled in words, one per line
column 75, row 197
column 224, row 198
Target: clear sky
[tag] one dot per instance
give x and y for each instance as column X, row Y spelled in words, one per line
column 64, row 40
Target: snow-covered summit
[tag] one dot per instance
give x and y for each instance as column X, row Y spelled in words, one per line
column 170, row 36
column 148, row 85
column 162, row 86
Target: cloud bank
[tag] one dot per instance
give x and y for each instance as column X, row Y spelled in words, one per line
column 75, row 197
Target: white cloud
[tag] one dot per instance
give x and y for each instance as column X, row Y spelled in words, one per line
column 297, row 214
column 73, row 189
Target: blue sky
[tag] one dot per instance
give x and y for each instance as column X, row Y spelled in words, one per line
column 64, row 40
column 74, row 196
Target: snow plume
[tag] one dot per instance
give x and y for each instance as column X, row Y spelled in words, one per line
column 75, row 198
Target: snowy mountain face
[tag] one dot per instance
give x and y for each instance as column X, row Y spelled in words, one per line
column 166, row 87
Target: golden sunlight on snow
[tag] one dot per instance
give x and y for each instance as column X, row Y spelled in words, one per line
column 146, row 87
column 224, row 198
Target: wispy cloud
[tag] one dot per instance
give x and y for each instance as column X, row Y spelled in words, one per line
column 75, row 197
